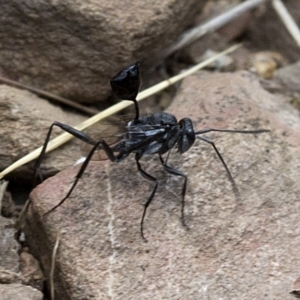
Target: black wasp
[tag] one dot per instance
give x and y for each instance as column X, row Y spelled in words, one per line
column 144, row 135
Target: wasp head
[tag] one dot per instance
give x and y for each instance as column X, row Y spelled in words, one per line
column 187, row 136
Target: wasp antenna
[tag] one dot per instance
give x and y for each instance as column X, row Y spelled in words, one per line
column 231, row 130
column 233, row 184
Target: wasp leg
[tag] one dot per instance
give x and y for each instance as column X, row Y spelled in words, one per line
column 151, row 178
column 175, row 172
column 98, row 144
column 82, row 136
column 76, row 133
column 234, row 186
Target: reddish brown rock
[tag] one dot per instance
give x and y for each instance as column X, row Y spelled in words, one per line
column 246, row 249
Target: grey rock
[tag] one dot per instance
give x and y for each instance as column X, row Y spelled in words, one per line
column 18, row 291
column 9, row 247
column 9, row 276
column 72, row 48
column 234, row 249
column 289, row 77
column 266, row 30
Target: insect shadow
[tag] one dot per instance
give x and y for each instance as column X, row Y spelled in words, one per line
column 143, row 135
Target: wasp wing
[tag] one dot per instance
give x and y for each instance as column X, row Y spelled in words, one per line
column 118, row 132
column 111, row 130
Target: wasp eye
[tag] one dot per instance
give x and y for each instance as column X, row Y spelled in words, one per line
column 187, row 137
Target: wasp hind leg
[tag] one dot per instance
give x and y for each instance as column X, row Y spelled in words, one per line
column 175, row 172
column 85, row 138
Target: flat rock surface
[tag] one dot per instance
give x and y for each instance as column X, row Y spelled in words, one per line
column 72, row 48
column 18, row 291
column 234, row 249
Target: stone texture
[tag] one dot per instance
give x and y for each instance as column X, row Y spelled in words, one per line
column 266, row 31
column 234, row 249
column 72, row 48
column 31, row 271
column 9, row 247
column 286, row 79
column 12, row 274
column 7, row 205
column 9, row 276
column 27, row 119
column 289, row 77
column 18, row 291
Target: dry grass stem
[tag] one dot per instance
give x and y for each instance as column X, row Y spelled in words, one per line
column 287, row 19
column 214, row 24
column 65, row 137
column 51, row 96
column 3, row 187
column 53, row 259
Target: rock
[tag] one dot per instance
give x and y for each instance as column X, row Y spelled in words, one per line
column 220, row 39
column 9, row 258
column 224, row 63
column 289, row 77
column 296, row 289
column 214, row 41
column 31, row 271
column 18, row 291
column 234, row 249
column 233, row 29
column 265, row 63
column 7, row 205
column 10, row 271
column 26, row 120
column 266, row 31
column 9, row 276
column 72, row 48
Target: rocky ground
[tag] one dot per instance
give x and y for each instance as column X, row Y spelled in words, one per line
column 241, row 246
